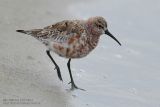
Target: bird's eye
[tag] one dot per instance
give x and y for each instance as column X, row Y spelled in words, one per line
column 100, row 26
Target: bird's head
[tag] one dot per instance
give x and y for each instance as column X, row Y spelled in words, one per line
column 98, row 26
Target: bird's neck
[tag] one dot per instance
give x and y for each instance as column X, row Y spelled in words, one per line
column 93, row 40
column 93, row 36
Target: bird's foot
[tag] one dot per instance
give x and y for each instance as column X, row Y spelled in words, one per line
column 73, row 86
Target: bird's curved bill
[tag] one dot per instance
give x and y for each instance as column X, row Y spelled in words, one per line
column 109, row 34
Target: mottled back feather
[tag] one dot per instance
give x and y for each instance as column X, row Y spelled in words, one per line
column 59, row 32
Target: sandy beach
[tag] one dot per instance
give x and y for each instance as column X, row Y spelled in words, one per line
column 113, row 76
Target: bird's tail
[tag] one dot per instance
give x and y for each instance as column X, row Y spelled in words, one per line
column 30, row 32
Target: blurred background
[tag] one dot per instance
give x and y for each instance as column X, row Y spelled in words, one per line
column 126, row 76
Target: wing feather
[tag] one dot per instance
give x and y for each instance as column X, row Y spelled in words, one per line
column 62, row 31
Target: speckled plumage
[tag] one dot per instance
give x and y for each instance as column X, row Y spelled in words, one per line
column 71, row 38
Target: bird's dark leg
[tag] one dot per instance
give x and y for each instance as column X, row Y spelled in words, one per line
column 56, row 66
column 73, row 86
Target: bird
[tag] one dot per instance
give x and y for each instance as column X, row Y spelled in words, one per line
column 71, row 39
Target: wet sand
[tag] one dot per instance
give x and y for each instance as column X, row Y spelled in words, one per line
column 113, row 76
